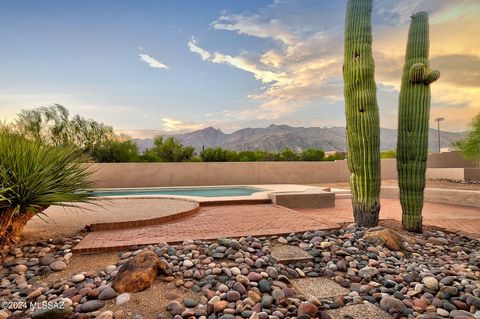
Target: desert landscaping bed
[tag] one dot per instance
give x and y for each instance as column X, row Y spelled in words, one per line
column 433, row 275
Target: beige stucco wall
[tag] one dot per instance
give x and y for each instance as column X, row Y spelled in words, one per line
column 446, row 173
column 238, row 173
column 472, row 174
column 231, row 173
column 448, row 160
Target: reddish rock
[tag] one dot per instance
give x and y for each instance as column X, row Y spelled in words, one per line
column 138, row 273
column 84, row 291
column 219, row 306
column 461, row 305
column 93, row 294
column 421, row 303
column 386, row 237
column 307, row 308
column 76, row 298
column 254, row 276
column 257, row 307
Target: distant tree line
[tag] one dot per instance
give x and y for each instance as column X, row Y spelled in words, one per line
column 54, row 126
column 171, row 150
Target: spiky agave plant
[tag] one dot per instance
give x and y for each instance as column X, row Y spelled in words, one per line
column 413, row 119
column 361, row 110
column 34, row 176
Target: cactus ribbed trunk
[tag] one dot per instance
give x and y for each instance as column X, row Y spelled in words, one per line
column 361, row 110
column 413, row 120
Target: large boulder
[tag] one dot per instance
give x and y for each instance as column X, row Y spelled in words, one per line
column 386, row 237
column 139, row 273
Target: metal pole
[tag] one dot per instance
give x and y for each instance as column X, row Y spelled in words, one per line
column 438, row 123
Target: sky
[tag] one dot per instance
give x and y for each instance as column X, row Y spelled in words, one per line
column 144, row 66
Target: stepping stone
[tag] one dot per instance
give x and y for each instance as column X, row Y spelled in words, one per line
column 366, row 310
column 286, row 254
column 319, row 287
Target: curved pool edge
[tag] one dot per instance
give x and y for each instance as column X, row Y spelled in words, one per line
column 145, row 222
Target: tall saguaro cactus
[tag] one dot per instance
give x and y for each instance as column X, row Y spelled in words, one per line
column 361, row 109
column 413, row 118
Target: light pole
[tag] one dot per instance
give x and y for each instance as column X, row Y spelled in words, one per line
column 438, row 120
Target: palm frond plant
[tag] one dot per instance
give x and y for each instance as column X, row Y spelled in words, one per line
column 34, row 176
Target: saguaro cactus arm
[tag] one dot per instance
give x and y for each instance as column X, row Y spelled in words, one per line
column 432, row 76
column 418, row 73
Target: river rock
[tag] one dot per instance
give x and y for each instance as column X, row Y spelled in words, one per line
column 91, row 305
column 123, row 298
column 387, row 303
column 107, row 294
column 58, row 265
column 430, row 283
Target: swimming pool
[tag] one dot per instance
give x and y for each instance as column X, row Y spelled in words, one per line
column 191, row 191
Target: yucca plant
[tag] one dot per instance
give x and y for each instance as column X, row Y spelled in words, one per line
column 34, row 176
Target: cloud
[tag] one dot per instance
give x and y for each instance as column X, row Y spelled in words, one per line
column 256, row 26
column 170, row 124
column 301, row 65
column 192, row 44
column 302, row 55
column 240, row 62
column 152, row 62
column 459, row 69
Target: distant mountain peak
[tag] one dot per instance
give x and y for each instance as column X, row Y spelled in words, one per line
column 277, row 137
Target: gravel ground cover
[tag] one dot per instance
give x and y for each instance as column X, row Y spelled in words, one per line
column 436, row 275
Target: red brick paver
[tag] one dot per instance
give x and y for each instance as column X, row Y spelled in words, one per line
column 266, row 219
column 464, row 220
column 208, row 223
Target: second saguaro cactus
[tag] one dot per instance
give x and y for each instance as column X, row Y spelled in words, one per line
column 413, row 119
column 361, row 110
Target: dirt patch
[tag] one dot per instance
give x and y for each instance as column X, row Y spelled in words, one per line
column 319, row 287
column 287, row 253
column 153, row 301
column 362, row 311
column 81, row 263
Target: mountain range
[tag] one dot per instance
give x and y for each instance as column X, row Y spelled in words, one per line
column 277, row 137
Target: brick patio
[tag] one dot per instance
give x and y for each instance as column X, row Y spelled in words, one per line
column 209, row 223
column 266, row 219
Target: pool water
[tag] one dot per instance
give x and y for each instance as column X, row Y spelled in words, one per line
column 192, row 191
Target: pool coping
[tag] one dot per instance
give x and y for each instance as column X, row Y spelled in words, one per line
column 261, row 195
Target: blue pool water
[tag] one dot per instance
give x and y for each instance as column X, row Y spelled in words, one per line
column 192, row 191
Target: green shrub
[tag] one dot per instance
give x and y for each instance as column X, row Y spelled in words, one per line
column 116, row 151
column 470, row 146
column 312, row 154
column 287, row 155
column 216, row 154
column 388, row 154
column 168, row 150
column 34, row 176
